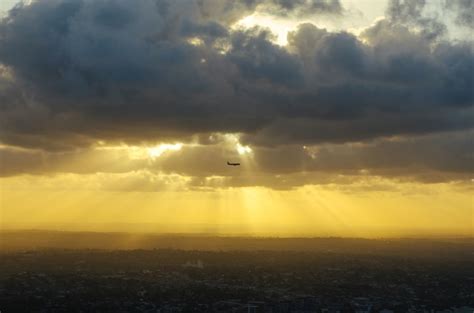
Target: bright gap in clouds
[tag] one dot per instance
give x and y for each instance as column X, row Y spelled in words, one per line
column 142, row 152
column 243, row 149
column 157, row 151
column 279, row 27
column 233, row 140
column 357, row 15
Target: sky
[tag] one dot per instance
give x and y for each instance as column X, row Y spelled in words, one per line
column 349, row 118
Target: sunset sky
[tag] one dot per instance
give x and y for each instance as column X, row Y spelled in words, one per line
column 349, row 118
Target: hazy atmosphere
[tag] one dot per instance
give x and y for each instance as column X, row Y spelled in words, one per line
column 348, row 118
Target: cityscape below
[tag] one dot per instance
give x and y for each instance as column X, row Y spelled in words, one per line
column 233, row 274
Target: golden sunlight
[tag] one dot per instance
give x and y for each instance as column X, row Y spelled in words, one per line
column 243, row 149
column 141, row 152
column 157, row 151
column 279, row 27
column 104, row 202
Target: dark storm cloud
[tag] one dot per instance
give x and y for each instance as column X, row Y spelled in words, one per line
column 229, row 11
column 301, row 8
column 258, row 59
column 411, row 13
column 73, row 72
column 416, row 13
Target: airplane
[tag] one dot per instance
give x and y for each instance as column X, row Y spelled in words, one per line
column 232, row 164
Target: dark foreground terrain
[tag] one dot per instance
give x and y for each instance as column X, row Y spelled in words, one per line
column 233, row 274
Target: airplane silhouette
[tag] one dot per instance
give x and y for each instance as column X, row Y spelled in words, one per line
column 232, row 164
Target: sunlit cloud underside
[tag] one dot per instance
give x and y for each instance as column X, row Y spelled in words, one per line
column 142, row 196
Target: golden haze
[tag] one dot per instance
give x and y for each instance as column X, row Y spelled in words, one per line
column 139, row 201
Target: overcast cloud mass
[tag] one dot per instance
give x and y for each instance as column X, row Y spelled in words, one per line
column 80, row 76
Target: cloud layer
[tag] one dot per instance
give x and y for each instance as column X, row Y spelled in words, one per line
column 75, row 72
